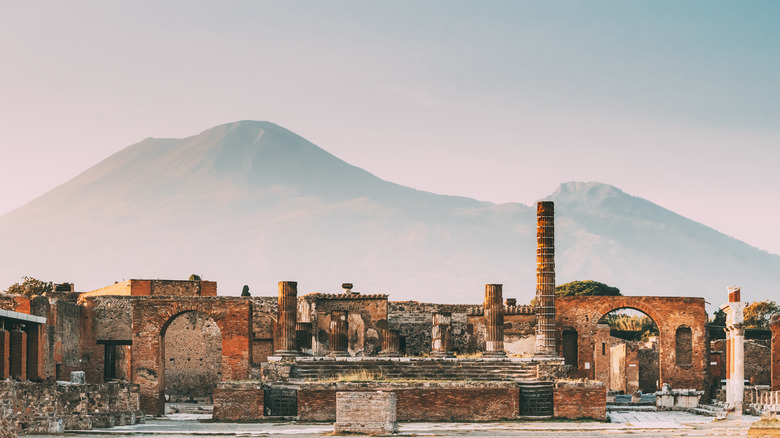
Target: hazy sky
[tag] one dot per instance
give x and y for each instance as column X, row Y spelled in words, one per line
column 676, row 102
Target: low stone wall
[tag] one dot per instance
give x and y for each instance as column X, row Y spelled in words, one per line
column 761, row 400
column 420, row 401
column 238, row 402
column 677, row 399
column 366, row 412
column 576, row 400
column 56, row 407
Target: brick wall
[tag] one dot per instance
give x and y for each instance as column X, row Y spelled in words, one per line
column 433, row 402
column 264, row 313
column 193, row 356
column 668, row 313
column 48, row 407
column 367, row 316
column 757, row 362
column 238, row 402
column 775, row 355
column 575, row 400
column 414, row 321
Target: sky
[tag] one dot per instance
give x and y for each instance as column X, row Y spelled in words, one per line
column 675, row 102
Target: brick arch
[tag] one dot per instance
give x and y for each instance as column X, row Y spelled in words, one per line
column 151, row 316
column 668, row 313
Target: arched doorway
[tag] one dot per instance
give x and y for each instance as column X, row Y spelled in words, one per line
column 191, row 358
column 627, row 351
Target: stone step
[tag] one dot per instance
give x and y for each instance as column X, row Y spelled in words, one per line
column 428, row 370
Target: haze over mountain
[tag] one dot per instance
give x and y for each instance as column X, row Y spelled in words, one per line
column 253, row 203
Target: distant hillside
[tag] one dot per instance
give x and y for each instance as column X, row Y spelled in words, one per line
column 253, row 203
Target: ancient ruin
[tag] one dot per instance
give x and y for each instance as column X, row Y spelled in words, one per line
column 144, row 343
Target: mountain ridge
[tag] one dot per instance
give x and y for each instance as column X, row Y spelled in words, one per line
column 252, row 202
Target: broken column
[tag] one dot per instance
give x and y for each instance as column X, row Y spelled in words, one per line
column 545, row 279
column 339, row 330
column 440, row 335
column 735, row 347
column 5, row 354
column 288, row 311
column 494, row 321
column 391, row 343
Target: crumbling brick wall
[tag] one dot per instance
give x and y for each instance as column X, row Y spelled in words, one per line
column 575, row 400
column 668, row 313
column 757, row 362
column 103, row 319
column 367, row 316
column 414, row 322
column 193, row 356
column 264, row 314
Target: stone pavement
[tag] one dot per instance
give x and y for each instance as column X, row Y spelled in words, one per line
column 634, row 424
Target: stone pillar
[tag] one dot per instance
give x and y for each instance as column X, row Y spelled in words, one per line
column 288, row 311
column 5, row 354
column 339, row 331
column 303, row 334
column 391, row 343
column 441, row 335
column 602, row 354
column 34, row 352
column 735, row 349
column 18, row 363
column 494, row 321
column 545, row 279
column 775, row 354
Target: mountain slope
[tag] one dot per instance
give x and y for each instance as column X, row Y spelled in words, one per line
column 253, row 203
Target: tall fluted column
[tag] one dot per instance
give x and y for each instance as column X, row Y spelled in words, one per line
column 391, row 343
column 494, row 321
column 288, row 311
column 441, row 336
column 545, row 279
column 339, row 329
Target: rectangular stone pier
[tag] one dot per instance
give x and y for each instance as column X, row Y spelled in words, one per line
column 365, row 412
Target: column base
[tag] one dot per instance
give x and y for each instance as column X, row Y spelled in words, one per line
column 494, row 354
column 389, row 354
column 440, row 354
column 338, row 354
column 287, row 353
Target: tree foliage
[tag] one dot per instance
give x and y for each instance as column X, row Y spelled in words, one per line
column 194, row 277
column 30, row 287
column 587, row 288
column 758, row 314
column 245, row 291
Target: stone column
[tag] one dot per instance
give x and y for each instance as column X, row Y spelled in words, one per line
column 735, row 351
column 545, row 279
column 441, row 336
column 18, row 363
column 391, row 343
column 339, row 331
column 288, row 311
column 775, row 354
column 5, row 354
column 34, row 352
column 303, row 334
column 494, row 321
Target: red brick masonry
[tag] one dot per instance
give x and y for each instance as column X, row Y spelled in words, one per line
column 575, row 400
column 238, row 402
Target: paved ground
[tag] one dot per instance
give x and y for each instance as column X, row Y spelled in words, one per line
column 634, row 424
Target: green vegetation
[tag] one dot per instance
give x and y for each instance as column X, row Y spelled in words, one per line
column 30, row 287
column 194, row 277
column 245, row 291
column 587, row 288
column 759, row 314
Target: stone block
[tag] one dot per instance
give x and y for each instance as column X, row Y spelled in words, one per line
column 366, row 412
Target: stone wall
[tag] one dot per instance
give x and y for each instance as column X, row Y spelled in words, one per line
column 367, row 315
column 648, row 369
column 56, row 407
column 104, row 318
column 264, row 314
column 575, row 400
column 193, row 357
column 366, row 412
column 414, row 322
column 757, row 363
column 430, row 402
column 238, row 402
column 62, row 346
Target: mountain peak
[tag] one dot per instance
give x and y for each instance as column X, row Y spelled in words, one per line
column 586, row 192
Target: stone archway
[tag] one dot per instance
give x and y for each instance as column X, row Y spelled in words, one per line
column 152, row 316
column 583, row 314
